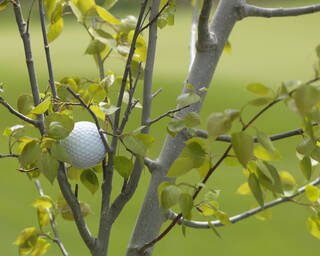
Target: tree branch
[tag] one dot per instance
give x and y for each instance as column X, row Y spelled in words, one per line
column 57, row 239
column 101, row 132
column 227, row 138
column 47, row 51
column 206, row 39
column 193, row 33
column 18, row 114
column 241, row 216
column 75, row 208
column 247, row 10
column 24, row 33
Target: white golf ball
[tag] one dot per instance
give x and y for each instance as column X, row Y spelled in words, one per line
column 84, row 145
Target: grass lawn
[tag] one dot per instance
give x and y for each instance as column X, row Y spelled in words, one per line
column 263, row 50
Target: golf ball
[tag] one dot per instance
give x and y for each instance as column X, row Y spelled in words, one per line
column 84, row 145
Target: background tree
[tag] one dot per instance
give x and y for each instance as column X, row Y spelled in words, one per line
column 111, row 99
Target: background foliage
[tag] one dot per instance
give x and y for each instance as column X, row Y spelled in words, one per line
column 268, row 52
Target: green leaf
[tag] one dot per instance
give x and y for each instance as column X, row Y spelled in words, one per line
column 306, row 98
column 40, row 248
column 186, row 99
column 4, row 4
column 277, row 185
column 313, row 225
column 242, row 144
column 224, row 219
column 265, row 141
column 58, row 126
column 66, row 211
column 306, row 167
column 192, row 119
column 30, row 153
column 58, row 152
column 106, row 108
column 217, row 124
column 258, row 89
column 135, row 145
column 74, row 173
column 186, row 204
column 306, row 147
column 94, row 47
column 287, row 180
column 312, row 193
column 90, row 180
column 175, row 126
column 255, row 188
column 264, row 215
column 42, row 107
column 48, row 166
column 195, row 152
column 180, row 167
column 147, row 140
column 258, row 102
column 105, row 15
column 25, row 104
column 55, row 30
column 169, row 195
column 123, row 165
column 96, row 92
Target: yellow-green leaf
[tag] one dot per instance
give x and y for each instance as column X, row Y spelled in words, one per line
column 55, row 30
column 312, row 193
column 313, row 225
column 244, row 189
column 29, row 154
column 40, row 248
column 306, row 98
column 306, row 167
column 288, row 182
column 262, row 153
column 169, row 195
column 48, row 166
column 4, row 4
column 25, row 104
column 107, row 16
column 123, row 165
column 42, row 107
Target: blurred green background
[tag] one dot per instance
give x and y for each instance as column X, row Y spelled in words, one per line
column 263, row 50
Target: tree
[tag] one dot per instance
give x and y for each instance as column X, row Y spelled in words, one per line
column 185, row 148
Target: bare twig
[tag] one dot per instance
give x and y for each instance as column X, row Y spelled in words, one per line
column 227, row 138
column 57, row 239
column 18, row 114
column 8, row 155
column 101, row 132
column 247, row 10
column 75, row 208
column 169, row 113
column 47, row 51
column 154, row 18
column 28, row 54
column 27, row 170
column 241, row 216
column 156, row 93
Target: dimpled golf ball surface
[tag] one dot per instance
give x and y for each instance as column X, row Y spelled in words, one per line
column 84, row 145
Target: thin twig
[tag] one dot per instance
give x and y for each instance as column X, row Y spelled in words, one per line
column 156, row 93
column 156, row 17
column 29, row 15
column 27, row 170
column 169, row 113
column 18, row 114
column 9, row 155
column 57, row 239
column 101, row 132
column 47, row 51
column 241, row 216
